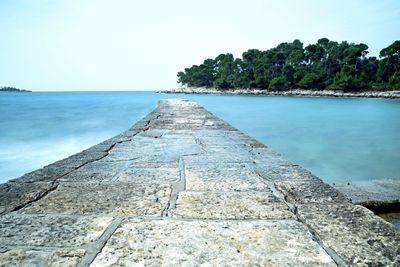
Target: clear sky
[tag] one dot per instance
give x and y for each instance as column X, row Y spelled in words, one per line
column 58, row 45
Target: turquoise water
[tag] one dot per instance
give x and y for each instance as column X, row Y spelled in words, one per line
column 337, row 139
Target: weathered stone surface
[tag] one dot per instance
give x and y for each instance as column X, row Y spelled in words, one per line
column 182, row 187
column 50, row 230
column 265, row 156
column 22, row 257
column 140, row 164
column 385, row 190
column 145, row 155
column 299, row 185
column 82, row 158
column 47, row 174
column 230, row 205
column 222, row 177
column 212, row 243
column 209, row 158
column 133, row 150
column 16, row 195
column 354, row 232
column 393, row 218
column 104, row 198
column 312, row 190
column 95, row 171
column 159, row 175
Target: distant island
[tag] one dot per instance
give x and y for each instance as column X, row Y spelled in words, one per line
column 340, row 68
column 13, row 89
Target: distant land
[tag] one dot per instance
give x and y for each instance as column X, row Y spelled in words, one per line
column 324, row 66
column 393, row 94
column 13, row 89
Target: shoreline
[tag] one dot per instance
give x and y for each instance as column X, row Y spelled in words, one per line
column 295, row 92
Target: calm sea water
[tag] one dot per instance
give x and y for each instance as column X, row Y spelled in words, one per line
column 337, row 139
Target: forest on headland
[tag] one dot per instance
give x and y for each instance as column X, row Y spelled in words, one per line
column 325, row 65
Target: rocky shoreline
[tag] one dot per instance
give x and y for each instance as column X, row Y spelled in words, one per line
column 296, row 92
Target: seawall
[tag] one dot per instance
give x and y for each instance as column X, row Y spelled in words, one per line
column 182, row 187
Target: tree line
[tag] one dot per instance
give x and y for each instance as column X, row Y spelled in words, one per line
column 325, row 65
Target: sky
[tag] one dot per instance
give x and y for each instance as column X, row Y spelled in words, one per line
column 70, row 45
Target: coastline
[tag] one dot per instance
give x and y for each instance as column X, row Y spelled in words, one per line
column 295, row 92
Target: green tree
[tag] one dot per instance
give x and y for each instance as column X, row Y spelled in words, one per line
column 309, row 81
column 324, row 65
column 389, row 67
column 226, row 71
column 278, row 84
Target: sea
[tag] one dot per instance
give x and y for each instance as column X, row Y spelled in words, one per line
column 338, row 139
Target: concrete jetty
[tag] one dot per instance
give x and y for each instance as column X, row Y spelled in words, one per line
column 184, row 188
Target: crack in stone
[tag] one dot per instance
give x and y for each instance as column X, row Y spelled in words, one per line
column 53, row 187
column 201, row 144
column 177, row 187
column 332, row 253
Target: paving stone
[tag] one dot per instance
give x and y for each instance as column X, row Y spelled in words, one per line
column 96, row 171
column 81, row 158
column 22, row 257
column 208, row 158
column 139, row 143
column 313, row 190
column 232, row 150
column 160, row 155
column 212, row 243
column 47, row 174
column 83, row 176
column 223, row 177
column 159, row 175
column 299, row 185
column 231, row 205
column 266, row 156
column 138, row 163
column 50, row 230
column 354, row 233
column 152, row 133
column 104, row 198
column 16, row 195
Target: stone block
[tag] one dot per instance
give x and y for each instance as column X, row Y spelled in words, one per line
column 104, row 198
column 212, row 243
column 17, row 195
column 358, row 236
column 222, row 177
column 50, row 230
column 24, row 257
column 231, row 205
column 159, row 175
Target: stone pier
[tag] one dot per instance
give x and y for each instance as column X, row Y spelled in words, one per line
column 184, row 188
